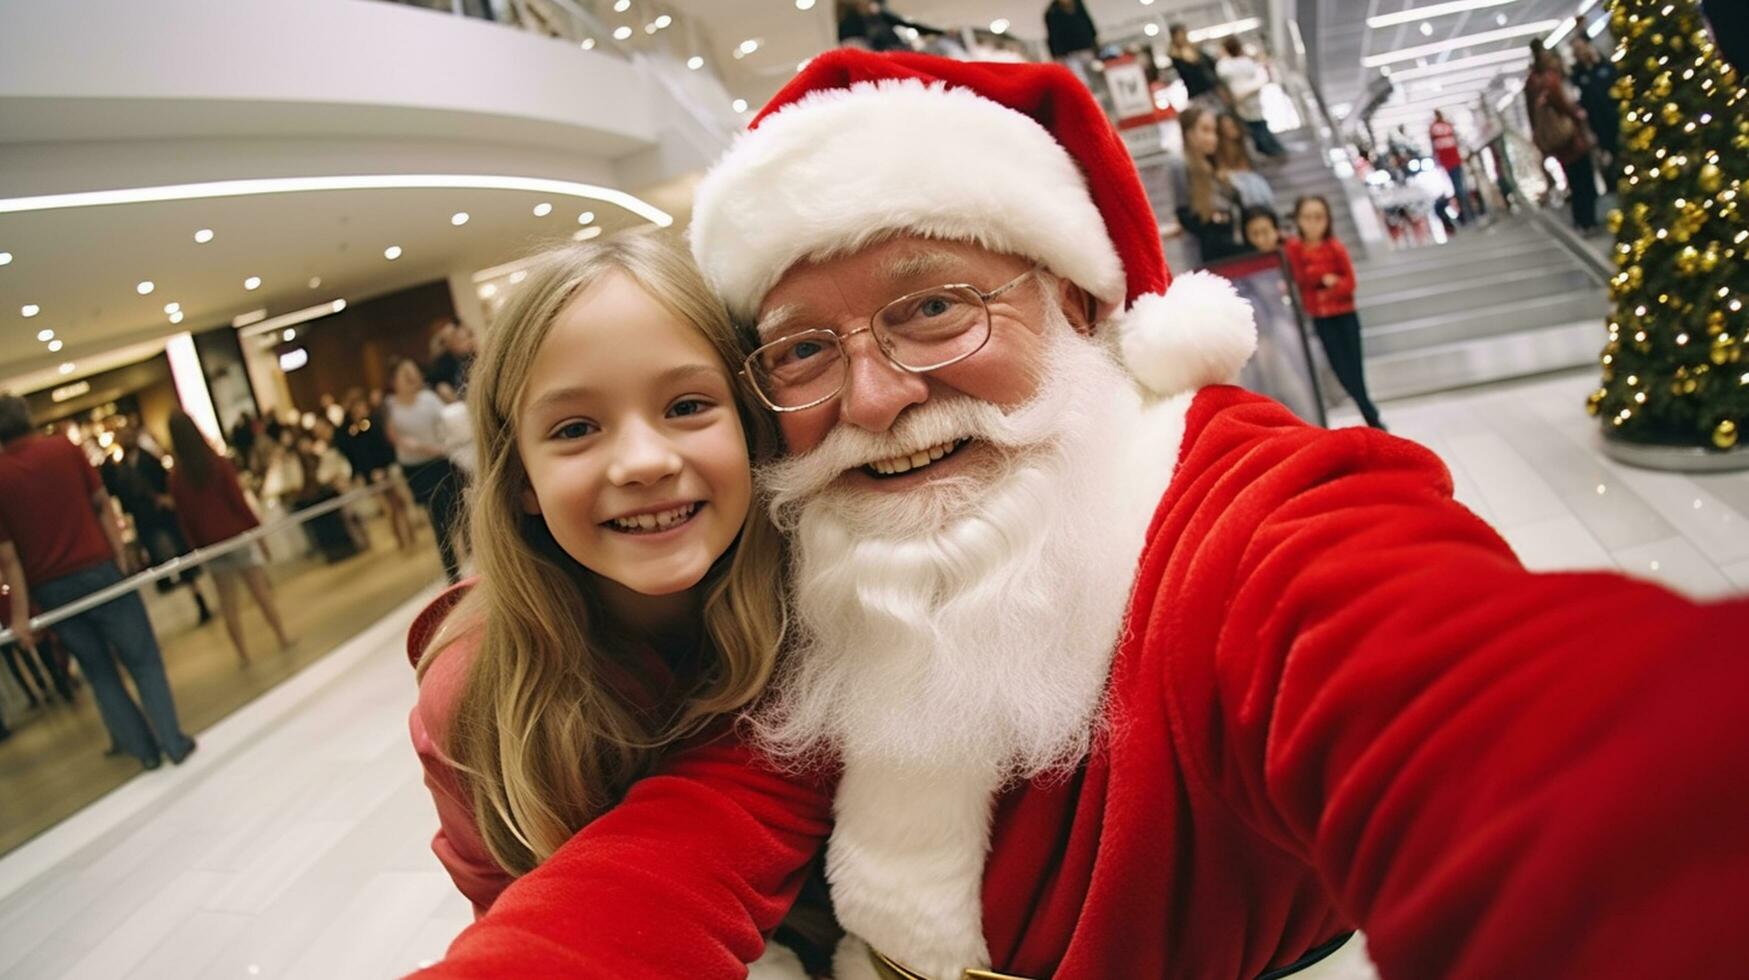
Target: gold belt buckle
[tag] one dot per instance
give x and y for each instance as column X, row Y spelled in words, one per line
column 889, row 969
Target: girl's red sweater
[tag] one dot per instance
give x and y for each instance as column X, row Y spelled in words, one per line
column 1311, row 262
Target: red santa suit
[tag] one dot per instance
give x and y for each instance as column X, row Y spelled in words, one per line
column 1337, row 701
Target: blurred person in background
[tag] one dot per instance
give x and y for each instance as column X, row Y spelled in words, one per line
column 1559, row 129
column 210, row 502
column 1730, row 23
column 1262, row 230
column 1194, row 67
column 1449, row 154
column 58, row 544
column 1593, row 75
column 1208, row 207
column 139, row 484
column 1325, row 276
column 416, row 429
column 1233, row 160
column 1069, row 32
column 869, row 24
column 365, row 443
column 452, row 355
column 1245, row 79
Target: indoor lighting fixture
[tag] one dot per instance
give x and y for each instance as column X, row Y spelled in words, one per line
column 651, row 28
column 663, row 21
column 586, row 217
column 1426, row 29
column 1452, row 44
column 67, row 368
column 253, row 282
column 242, row 320
column 1151, row 29
column 176, row 317
column 5, row 258
column 54, row 345
column 1202, row 34
column 695, row 62
column 145, row 287
column 29, row 309
column 804, row 4
column 1491, row 58
column 584, row 234
column 1500, row 19
column 542, row 209
column 203, row 236
column 621, row 32
column 1147, row 3
column 459, row 218
column 172, row 307
column 999, row 26
column 351, row 182
column 488, row 291
column 749, row 46
column 45, row 335
column 621, row 6
column 518, row 276
column 392, row 253
column 1432, row 10
column 292, row 319
column 315, row 282
column 739, row 105
column 289, row 335
column 293, row 359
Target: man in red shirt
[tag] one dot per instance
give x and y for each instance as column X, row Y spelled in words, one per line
column 58, row 543
column 1451, row 160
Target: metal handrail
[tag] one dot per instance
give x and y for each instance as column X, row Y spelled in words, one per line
column 194, row 559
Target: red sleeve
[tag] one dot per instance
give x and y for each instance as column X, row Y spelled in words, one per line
column 1296, row 262
column 682, row 879
column 1498, row 773
column 458, row 844
column 1344, row 268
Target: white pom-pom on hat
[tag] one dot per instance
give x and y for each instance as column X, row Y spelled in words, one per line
column 1200, row 332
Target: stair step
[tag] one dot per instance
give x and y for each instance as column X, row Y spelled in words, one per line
column 1383, row 309
column 1455, row 326
column 1379, row 279
column 1484, row 360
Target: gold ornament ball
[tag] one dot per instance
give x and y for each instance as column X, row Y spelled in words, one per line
column 1651, row 63
column 1594, row 403
column 1725, row 434
column 1642, row 211
column 1715, row 322
column 1671, row 114
column 1688, row 261
column 1661, row 85
column 1711, row 178
column 1615, row 220
column 1740, row 142
column 1724, row 350
column 1709, row 259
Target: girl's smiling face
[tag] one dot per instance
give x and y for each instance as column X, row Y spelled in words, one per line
column 628, row 430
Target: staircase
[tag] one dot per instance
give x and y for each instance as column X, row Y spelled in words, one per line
column 1305, row 171
column 1494, row 303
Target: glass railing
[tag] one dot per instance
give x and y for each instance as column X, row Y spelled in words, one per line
column 325, row 572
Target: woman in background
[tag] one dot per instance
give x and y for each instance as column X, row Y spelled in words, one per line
column 1233, row 159
column 211, row 506
column 1208, row 207
column 415, row 423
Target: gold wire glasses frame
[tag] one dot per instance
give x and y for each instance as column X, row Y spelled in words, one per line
column 919, row 332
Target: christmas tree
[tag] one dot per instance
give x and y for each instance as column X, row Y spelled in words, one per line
column 1674, row 370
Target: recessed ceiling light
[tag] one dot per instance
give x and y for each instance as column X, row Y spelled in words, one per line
column 145, row 287
column 172, row 307
column 749, row 46
column 290, row 334
column 1454, row 43
column 621, row 6
column 490, row 290
column 804, row 4
column 518, row 276
column 621, row 32
column 999, row 26
column 663, row 21
column 67, row 368
column 203, row 236
column 584, row 234
column 30, row 309
column 542, row 209
column 695, row 62
column 1500, row 19
column 586, row 217
column 1432, row 10
column 1151, row 29
column 739, row 105
column 338, row 305
column 1147, row 3
column 1426, row 29
column 45, row 335
column 176, row 317
column 315, row 282
column 588, row 44
column 253, row 282
column 459, row 218
column 54, row 345
column 5, row 258
column 392, row 253
column 651, row 28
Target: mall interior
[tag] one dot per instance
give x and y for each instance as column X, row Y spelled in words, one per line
column 253, row 213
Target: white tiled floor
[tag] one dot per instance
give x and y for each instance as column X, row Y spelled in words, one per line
column 295, row 843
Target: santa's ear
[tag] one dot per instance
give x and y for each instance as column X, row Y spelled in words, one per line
column 1083, row 311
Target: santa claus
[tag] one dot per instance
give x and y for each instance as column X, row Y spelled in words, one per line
column 1116, row 680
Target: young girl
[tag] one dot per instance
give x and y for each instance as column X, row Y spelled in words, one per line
column 629, row 588
column 1208, row 207
column 415, row 424
column 211, row 506
column 1325, row 276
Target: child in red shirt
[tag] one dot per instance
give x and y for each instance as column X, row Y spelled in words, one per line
column 1325, row 276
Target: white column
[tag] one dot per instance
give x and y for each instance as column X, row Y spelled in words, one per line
column 191, row 389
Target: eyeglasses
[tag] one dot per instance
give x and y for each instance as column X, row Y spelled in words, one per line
column 918, row 332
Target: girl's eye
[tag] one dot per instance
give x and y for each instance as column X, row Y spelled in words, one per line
column 575, row 429
column 688, row 406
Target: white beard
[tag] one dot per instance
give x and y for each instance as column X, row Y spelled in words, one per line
column 967, row 625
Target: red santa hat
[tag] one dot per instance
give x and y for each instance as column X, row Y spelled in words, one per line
column 1018, row 158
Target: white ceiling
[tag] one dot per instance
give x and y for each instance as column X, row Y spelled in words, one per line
column 81, row 266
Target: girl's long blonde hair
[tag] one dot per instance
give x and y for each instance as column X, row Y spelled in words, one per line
column 543, row 741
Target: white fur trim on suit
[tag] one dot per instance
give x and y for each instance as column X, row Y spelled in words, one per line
column 841, row 167
column 778, row 962
column 1201, row 332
